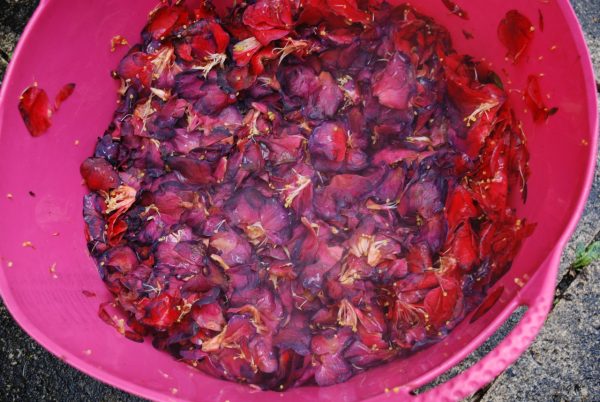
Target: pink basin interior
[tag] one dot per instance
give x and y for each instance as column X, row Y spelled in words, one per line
column 69, row 41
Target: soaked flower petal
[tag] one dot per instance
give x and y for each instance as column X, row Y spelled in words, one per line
column 35, row 110
column 515, row 33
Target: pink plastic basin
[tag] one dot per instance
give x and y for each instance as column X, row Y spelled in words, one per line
column 68, row 41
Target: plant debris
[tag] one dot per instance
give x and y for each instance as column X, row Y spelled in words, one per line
column 36, row 110
column 535, row 101
column 585, row 256
column 291, row 195
column 117, row 40
column 515, row 33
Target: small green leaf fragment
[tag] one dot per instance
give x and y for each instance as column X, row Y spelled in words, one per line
column 585, row 256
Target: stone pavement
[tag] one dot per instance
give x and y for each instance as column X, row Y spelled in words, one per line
column 563, row 364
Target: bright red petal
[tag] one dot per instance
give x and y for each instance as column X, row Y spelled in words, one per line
column 35, row 110
column 515, row 33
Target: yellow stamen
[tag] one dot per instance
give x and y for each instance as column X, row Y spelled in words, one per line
column 295, row 189
column 347, row 315
column 121, row 198
column 212, row 60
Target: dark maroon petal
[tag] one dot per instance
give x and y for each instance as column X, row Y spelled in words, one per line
column 312, row 276
column 326, row 101
column 304, row 244
column 299, row 81
column 395, row 85
column 231, row 247
column 244, row 209
column 421, row 198
column 212, row 99
column 122, row 259
column 296, row 339
column 328, row 141
column 191, row 170
column 137, row 68
column 332, row 370
column 275, row 220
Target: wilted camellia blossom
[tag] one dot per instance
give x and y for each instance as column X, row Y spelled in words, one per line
column 290, row 194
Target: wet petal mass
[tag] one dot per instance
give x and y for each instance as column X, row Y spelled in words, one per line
column 291, row 193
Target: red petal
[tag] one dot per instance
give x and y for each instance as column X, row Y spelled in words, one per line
column 467, row 93
column 349, row 10
column 535, row 100
column 239, row 78
column 161, row 312
column 395, row 85
column 244, row 50
column 464, row 246
column 441, row 302
column 99, row 174
column 455, row 9
column 136, row 67
column 205, row 10
column 257, row 63
column 220, row 36
column 164, row 20
column 35, row 110
column 115, row 230
column 63, row 94
column 515, row 33
column 459, row 207
column 268, row 36
column 268, row 14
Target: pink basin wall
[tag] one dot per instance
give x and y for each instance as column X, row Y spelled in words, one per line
column 69, row 41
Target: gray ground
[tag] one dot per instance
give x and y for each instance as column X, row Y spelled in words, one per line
column 563, row 363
